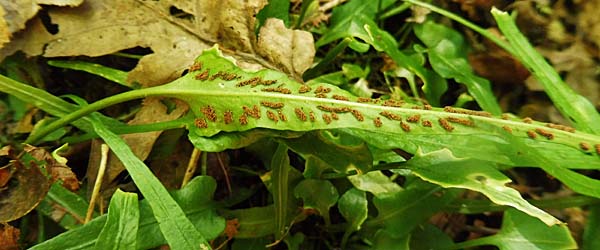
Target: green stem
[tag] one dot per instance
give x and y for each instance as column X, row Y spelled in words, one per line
column 85, row 110
column 503, row 44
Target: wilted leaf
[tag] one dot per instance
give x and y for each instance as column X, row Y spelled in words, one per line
column 26, row 188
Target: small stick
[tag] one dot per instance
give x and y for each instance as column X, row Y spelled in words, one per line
column 96, row 191
column 191, row 167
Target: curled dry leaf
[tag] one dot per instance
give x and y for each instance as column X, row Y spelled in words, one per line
column 292, row 50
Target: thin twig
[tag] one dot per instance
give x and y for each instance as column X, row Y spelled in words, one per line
column 96, row 191
column 222, row 165
column 191, row 167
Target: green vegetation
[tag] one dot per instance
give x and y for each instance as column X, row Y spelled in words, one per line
column 330, row 163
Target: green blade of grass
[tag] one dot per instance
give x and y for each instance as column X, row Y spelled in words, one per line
column 571, row 105
column 115, row 75
column 179, row 232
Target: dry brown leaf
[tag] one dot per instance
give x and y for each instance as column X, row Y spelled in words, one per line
column 9, row 237
column 176, row 31
column 588, row 21
column 581, row 71
column 16, row 13
column 292, row 50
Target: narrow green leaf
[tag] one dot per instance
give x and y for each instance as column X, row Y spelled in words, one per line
column 120, row 230
column 448, row 57
column 235, row 105
column 592, row 229
column 443, row 169
column 523, row 232
column 115, row 75
column 317, row 194
column 179, row 232
column 570, row 104
column 280, row 165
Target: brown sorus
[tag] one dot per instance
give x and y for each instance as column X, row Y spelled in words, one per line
column 282, row 116
column 507, row 129
column 359, row 117
column 597, row 146
column 243, row 119
column 545, row 133
column 300, row 114
column 209, row 113
column 303, row 89
column 228, row 117
column 277, row 89
column 584, row 146
column 267, row 82
column 273, row 105
column 528, row 120
column 531, row 134
column 377, row 122
column 224, row 76
column 311, row 115
column 364, row 99
column 561, row 127
column 467, row 112
column 446, row 125
column 253, row 112
column 196, row 66
column 252, row 81
column 322, row 89
column 320, row 95
column 427, row 123
column 427, row 107
column 405, row 126
column 200, row 123
column 413, row 118
column 202, row 76
column 335, row 116
column 462, row 121
column 392, row 103
column 326, row 118
column 334, row 109
column 505, row 116
column 339, row 97
column 272, row 116
column 390, row 115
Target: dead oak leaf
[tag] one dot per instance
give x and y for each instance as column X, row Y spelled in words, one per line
column 176, row 31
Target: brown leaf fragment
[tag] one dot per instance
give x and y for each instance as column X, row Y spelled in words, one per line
column 231, row 228
column 27, row 187
column 292, row 50
column 9, row 237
